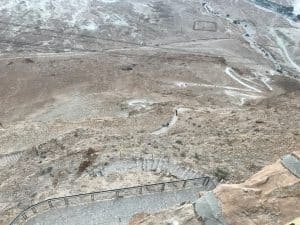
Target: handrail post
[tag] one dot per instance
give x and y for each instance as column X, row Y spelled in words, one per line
column 25, row 217
column 163, row 187
column 117, row 194
column 33, row 209
column 206, row 181
column 50, row 204
column 141, row 190
column 66, row 201
column 184, row 184
column 93, row 197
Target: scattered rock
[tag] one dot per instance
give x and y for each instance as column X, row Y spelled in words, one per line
column 292, row 163
column 128, row 67
column 45, row 171
column 28, row 60
column 179, row 142
column 259, row 121
column 208, row 209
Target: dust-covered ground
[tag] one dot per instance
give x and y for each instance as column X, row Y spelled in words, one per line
column 213, row 85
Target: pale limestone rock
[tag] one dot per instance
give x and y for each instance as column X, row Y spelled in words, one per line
column 294, row 222
column 272, row 196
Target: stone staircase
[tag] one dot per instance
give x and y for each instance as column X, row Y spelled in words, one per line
column 155, row 165
column 9, row 159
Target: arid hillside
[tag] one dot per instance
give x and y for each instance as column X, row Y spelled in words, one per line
column 213, row 85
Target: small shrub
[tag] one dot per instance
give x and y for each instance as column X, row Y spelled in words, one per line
column 197, row 156
column 90, row 152
column 45, row 171
column 221, row 174
column 90, row 159
column 83, row 166
column 179, row 142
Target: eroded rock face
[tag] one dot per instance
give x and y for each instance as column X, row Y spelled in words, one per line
column 272, row 196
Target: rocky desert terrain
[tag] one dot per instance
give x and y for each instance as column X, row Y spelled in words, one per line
column 271, row 196
column 213, row 85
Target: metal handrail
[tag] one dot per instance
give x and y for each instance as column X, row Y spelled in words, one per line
column 205, row 181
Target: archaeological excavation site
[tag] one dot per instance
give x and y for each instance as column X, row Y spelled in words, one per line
column 149, row 112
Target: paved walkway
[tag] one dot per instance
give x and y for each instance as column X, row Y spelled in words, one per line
column 114, row 212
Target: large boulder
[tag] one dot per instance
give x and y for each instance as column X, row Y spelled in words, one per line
column 272, row 196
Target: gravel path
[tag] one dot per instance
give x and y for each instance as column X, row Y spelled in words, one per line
column 170, row 124
column 113, row 212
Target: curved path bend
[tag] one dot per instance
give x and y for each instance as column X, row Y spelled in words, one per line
column 114, row 212
column 114, row 207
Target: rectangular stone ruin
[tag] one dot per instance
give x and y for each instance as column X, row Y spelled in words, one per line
column 205, row 26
